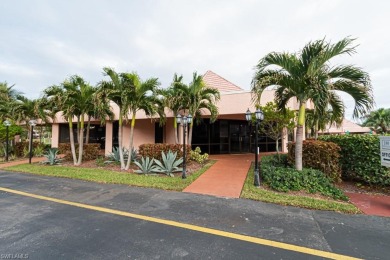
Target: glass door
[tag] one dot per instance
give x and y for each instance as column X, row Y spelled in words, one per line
column 239, row 137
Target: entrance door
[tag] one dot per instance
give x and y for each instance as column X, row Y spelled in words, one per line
column 239, row 137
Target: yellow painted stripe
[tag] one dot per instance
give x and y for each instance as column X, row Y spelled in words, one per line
column 255, row 240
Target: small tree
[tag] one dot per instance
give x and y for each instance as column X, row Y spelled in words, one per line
column 275, row 122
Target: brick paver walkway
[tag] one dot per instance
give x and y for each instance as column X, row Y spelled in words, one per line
column 225, row 178
column 371, row 204
column 13, row 163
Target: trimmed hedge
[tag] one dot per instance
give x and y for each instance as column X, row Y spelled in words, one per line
column 320, row 155
column 281, row 178
column 154, row 150
column 21, row 147
column 90, row 151
column 360, row 158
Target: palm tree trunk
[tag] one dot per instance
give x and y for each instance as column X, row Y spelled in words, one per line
column 190, row 134
column 175, row 130
column 316, row 130
column 131, row 141
column 87, row 132
column 299, row 137
column 120, row 147
column 81, row 140
column 71, row 139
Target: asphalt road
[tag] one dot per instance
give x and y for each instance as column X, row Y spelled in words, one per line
column 43, row 229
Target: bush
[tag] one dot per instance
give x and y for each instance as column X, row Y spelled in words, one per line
column 360, row 158
column 155, row 150
column 90, row 151
column 196, row 156
column 289, row 179
column 21, row 149
column 320, row 155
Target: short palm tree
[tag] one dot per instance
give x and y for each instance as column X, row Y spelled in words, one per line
column 378, row 120
column 307, row 76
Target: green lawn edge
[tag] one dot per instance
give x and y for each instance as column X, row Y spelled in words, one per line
column 254, row 193
column 113, row 177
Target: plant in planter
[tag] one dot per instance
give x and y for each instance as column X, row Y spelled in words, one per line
column 169, row 163
column 146, row 165
column 51, row 157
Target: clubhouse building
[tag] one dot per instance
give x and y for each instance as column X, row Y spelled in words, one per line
column 230, row 133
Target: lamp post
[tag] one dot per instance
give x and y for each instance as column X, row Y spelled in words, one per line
column 6, row 123
column 259, row 117
column 184, row 121
column 32, row 123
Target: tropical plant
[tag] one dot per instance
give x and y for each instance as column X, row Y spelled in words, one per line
column 146, row 165
column 169, row 163
column 142, row 97
column 308, row 76
column 196, row 98
column 275, row 123
column 52, row 157
column 195, row 155
column 115, row 155
column 8, row 97
column 74, row 97
column 378, row 120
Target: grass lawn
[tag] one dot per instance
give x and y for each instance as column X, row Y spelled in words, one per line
column 107, row 176
column 251, row 192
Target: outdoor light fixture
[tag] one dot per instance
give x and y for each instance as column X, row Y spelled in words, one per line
column 32, row 123
column 259, row 117
column 7, row 124
column 184, row 121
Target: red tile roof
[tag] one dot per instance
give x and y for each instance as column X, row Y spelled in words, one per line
column 213, row 80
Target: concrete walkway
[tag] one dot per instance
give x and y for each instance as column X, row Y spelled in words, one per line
column 225, row 178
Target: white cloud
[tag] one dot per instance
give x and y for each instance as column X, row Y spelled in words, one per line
column 46, row 41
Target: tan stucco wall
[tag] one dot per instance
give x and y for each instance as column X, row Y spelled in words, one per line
column 143, row 133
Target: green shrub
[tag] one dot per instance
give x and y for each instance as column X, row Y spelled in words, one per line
column 90, row 151
column 360, row 158
column 195, row 155
column 320, row 155
column 155, row 150
column 289, row 179
column 21, row 149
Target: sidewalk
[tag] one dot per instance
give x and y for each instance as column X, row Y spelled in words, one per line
column 370, row 204
column 13, row 163
column 225, row 178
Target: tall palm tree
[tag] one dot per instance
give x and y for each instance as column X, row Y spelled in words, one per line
column 378, row 120
column 197, row 98
column 117, row 89
column 308, row 76
column 142, row 97
column 173, row 100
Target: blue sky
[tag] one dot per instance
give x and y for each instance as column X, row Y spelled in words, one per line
column 44, row 42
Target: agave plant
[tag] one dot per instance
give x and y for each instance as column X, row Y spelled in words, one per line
column 134, row 154
column 169, row 163
column 114, row 156
column 146, row 165
column 51, row 157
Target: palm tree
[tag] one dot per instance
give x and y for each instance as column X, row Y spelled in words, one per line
column 74, row 98
column 142, row 97
column 8, row 97
column 378, row 120
column 117, row 89
column 173, row 100
column 197, row 98
column 308, row 76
